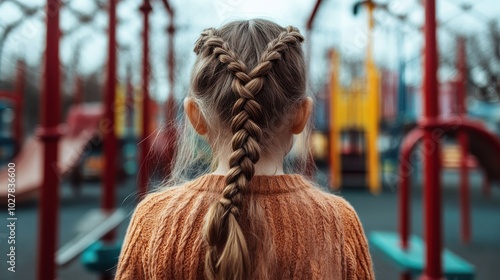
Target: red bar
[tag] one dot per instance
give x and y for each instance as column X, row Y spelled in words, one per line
column 109, row 172
column 170, row 137
column 170, row 104
column 462, row 77
column 49, row 135
column 432, row 180
column 313, row 15
column 405, row 170
column 9, row 96
column 78, row 91
column 109, row 141
column 169, row 8
column 145, row 145
column 170, row 112
column 129, row 102
column 463, row 140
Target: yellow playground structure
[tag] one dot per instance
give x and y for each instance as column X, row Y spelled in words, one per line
column 353, row 125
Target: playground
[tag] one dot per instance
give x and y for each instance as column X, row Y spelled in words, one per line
column 406, row 125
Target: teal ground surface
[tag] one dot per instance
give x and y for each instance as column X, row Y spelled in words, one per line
column 412, row 259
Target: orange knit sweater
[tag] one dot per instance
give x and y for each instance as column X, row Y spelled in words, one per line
column 315, row 235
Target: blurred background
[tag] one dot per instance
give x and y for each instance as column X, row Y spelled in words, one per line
column 120, row 89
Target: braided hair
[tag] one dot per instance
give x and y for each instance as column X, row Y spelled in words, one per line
column 229, row 70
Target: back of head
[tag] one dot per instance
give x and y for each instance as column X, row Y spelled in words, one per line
column 248, row 79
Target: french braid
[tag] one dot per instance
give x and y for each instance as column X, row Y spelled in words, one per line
column 227, row 254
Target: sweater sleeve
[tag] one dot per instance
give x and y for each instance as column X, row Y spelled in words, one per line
column 356, row 250
column 130, row 263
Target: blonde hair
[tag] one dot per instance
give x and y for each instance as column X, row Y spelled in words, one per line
column 248, row 78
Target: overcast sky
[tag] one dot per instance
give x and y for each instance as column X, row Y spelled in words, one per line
column 334, row 26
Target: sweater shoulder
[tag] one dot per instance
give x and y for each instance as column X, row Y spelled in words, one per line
column 153, row 202
column 334, row 200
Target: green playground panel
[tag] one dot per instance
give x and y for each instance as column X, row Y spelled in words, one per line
column 412, row 260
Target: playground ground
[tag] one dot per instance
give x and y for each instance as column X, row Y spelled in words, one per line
column 376, row 212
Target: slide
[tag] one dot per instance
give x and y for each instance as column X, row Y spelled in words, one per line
column 483, row 145
column 83, row 124
column 487, row 152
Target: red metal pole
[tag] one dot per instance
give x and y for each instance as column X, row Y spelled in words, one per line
column 462, row 77
column 129, row 102
column 404, row 200
column 109, row 172
column 404, row 195
column 145, row 145
column 19, row 106
column 49, row 133
column 170, row 133
column 171, row 63
column 463, row 140
column 170, row 105
column 78, row 91
column 405, row 169
column 310, row 20
column 310, row 164
column 432, row 180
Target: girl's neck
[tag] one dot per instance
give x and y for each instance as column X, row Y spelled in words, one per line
column 265, row 166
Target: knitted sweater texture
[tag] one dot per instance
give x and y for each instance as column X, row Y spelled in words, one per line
column 312, row 234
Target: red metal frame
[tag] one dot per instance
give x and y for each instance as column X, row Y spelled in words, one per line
column 145, row 143
column 310, row 21
column 465, row 227
column 416, row 135
column 78, row 91
column 49, row 133
column 405, row 170
column 463, row 140
column 459, row 124
column 432, row 178
column 129, row 102
column 171, row 111
column 110, row 150
column 108, row 198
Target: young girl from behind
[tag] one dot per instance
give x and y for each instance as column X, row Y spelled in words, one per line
column 246, row 218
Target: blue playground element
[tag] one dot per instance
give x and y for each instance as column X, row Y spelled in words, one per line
column 101, row 258
column 7, row 142
column 412, row 260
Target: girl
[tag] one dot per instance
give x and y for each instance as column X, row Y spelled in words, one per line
column 247, row 219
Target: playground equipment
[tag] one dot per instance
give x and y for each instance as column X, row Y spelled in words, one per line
column 144, row 168
column 412, row 254
column 99, row 256
column 164, row 146
column 11, row 131
column 51, row 135
column 81, row 127
column 102, row 256
column 354, row 120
